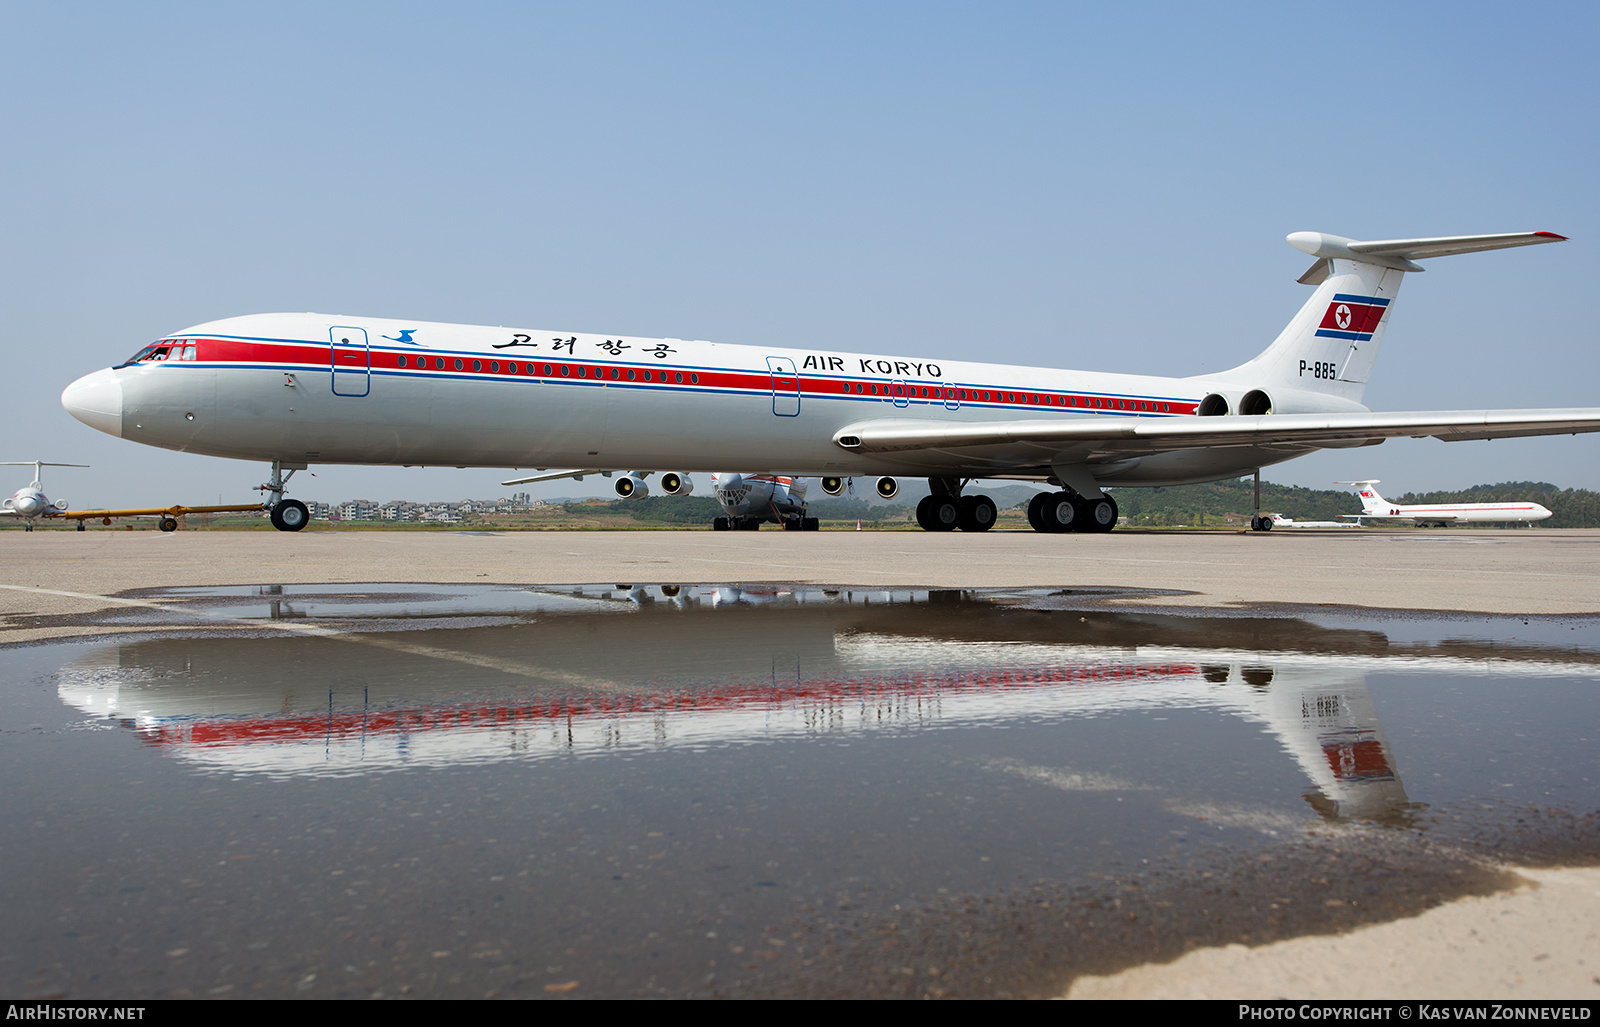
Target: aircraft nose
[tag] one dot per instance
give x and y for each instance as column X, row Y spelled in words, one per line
column 96, row 400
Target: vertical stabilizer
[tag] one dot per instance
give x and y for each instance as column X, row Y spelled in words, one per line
column 1371, row 502
column 1329, row 348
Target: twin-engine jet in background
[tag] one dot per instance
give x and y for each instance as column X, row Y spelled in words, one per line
column 30, row 503
column 300, row 389
column 748, row 500
column 1375, row 508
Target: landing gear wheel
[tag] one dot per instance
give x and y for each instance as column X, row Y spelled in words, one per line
column 1261, row 523
column 719, row 524
column 810, row 524
column 80, row 525
column 943, row 513
column 289, row 515
column 922, row 513
column 1036, row 511
column 1102, row 515
column 168, row 524
column 750, row 525
column 1060, row 512
column 792, row 524
column 976, row 513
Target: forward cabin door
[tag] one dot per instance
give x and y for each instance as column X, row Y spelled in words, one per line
column 352, row 365
column 785, row 387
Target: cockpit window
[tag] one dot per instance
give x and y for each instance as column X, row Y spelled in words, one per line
column 166, row 349
column 154, row 351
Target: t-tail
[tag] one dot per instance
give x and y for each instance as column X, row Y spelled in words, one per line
column 1322, row 361
column 1371, row 502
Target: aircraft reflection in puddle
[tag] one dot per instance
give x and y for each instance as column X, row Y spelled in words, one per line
column 588, row 671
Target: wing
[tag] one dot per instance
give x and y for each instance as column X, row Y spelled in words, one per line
column 1002, row 444
column 557, row 476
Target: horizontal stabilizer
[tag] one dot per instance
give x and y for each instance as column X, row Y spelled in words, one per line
column 1402, row 254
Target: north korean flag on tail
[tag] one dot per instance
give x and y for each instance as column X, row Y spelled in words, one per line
column 1352, row 317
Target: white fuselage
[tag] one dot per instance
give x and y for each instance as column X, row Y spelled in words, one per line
column 308, row 389
column 1483, row 513
column 28, row 503
column 1374, row 506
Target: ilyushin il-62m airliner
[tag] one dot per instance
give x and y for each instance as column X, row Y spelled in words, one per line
column 303, row 389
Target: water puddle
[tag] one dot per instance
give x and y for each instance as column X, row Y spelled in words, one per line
column 755, row 790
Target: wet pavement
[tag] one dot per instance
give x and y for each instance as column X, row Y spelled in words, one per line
column 624, row 790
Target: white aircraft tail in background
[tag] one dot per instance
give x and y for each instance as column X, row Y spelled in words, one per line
column 1375, row 507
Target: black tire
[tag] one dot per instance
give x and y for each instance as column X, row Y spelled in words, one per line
column 922, row 513
column 80, row 525
column 167, row 524
column 719, row 524
column 1101, row 515
column 977, row 513
column 1266, row 524
column 810, row 524
column 1061, row 512
column 792, row 524
column 1036, row 511
column 290, row 515
column 943, row 513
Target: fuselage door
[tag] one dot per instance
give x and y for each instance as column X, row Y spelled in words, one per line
column 951, row 401
column 899, row 388
column 351, row 362
column 785, row 386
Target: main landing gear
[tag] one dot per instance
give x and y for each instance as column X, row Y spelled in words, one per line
column 285, row 514
column 1067, row 511
column 946, row 509
column 1259, row 521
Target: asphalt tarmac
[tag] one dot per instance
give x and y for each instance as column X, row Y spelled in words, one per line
column 1527, row 571
column 997, row 827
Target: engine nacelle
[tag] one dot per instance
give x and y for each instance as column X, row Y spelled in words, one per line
column 888, row 488
column 631, row 486
column 1257, row 402
column 833, row 486
column 675, row 484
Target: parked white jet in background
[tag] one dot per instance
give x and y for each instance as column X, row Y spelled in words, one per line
column 29, row 502
column 751, row 500
column 299, row 389
column 1376, row 508
column 1278, row 521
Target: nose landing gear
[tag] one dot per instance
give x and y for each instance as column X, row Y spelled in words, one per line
column 285, row 514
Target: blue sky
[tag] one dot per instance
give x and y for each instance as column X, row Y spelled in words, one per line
column 1095, row 186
